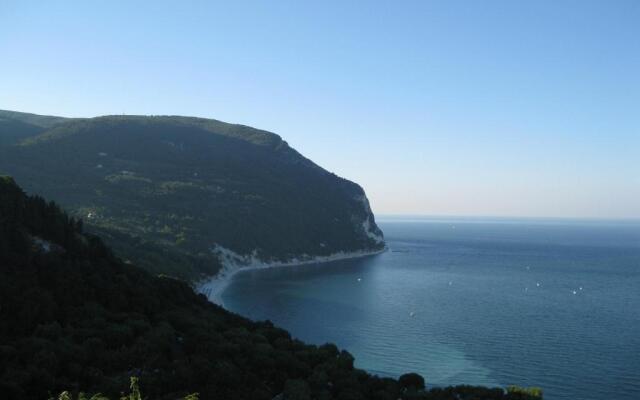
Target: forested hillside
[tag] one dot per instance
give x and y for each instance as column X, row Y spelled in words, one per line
column 75, row 317
column 164, row 191
column 15, row 126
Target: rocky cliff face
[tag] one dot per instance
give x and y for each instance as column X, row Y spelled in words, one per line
column 170, row 192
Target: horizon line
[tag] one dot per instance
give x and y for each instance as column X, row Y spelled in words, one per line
column 504, row 217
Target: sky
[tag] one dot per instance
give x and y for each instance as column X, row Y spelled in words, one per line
column 483, row 108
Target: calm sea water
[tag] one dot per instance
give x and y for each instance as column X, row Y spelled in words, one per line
column 549, row 303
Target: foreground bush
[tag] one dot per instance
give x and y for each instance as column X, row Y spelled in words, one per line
column 135, row 394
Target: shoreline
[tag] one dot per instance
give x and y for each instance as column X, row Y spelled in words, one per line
column 213, row 287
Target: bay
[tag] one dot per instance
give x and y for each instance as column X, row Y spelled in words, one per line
column 549, row 303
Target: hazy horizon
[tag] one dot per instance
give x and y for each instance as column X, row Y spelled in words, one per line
column 435, row 108
column 508, row 218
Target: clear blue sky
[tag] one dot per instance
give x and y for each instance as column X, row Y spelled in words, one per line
column 515, row 108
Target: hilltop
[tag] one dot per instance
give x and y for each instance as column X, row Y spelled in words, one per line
column 182, row 195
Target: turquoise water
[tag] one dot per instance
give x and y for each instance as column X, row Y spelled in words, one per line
column 549, row 303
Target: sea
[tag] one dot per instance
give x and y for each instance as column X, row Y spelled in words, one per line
column 551, row 303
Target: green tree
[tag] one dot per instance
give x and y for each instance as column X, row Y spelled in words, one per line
column 411, row 381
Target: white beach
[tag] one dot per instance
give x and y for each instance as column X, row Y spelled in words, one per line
column 213, row 287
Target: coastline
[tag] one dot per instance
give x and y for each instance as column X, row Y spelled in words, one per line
column 213, row 287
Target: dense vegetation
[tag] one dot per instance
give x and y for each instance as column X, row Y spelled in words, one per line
column 76, row 318
column 161, row 191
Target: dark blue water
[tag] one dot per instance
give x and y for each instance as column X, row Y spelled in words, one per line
column 550, row 303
